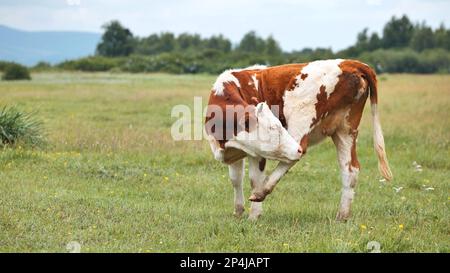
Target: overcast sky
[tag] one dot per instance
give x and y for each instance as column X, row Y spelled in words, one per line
column 294, row 23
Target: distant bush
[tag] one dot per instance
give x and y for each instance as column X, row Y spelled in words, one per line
column 19, row 127
column 408, row 61
column 91, row 64
column 42, row 66
column 15, row 71
column 435, row 60
column 402, row 60
column 4, row 64
column 164, row 62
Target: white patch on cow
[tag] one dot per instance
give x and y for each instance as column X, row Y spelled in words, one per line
column 255, row 82
column 255, row 67
column 299, row 104
column 227, row 76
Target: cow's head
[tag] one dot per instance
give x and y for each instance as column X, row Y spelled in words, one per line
column 265, row 136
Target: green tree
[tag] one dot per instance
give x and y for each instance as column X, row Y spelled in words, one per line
column 116, row 40
column 362, row 41
column 272, row 47
column 149, row 45
column 251, row 42
column 167, row 42
column 423, row 38
column 374, row 42
column 186, row 41
column 397, row 32
column 219, row 43
column 442, row 37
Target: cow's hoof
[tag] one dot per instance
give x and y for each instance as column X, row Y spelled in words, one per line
column 342, row 216
column 238, row 211
column 254, row 216
column 259, row 196
column 256, row 197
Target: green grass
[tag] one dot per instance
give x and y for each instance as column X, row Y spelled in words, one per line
column 112, row 179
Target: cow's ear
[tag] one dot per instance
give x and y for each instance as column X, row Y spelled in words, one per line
column 255, row 101
column 260, row 107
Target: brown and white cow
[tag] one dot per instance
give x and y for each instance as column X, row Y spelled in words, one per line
column 314, row 100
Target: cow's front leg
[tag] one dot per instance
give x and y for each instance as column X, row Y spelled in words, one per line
column 236, row 172
column 271, row 181
column 256, row 167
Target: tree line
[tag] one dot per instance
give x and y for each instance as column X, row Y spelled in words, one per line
column 403, row 46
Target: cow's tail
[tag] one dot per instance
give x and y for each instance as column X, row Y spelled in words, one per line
column 378, row 139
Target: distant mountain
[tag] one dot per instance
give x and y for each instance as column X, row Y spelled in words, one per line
column 30, row 47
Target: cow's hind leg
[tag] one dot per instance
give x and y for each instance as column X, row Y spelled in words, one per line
column 345, row 141
column 236, row 172
column 256, row 167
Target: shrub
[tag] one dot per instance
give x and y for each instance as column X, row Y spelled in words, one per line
column 408, row 61
column 91, row 64
column 4, row 65
column 19, row 127
column 164, row 62
column 42, row 66
column 15, row 71
column 402, row 60
column 435, row 60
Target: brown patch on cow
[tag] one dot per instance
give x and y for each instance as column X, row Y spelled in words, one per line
column 292, row 84
column 252, row 183
column 333, row 120
column 232, row 155
column 274, row 81
column 354, row 159
column 246, row 91
column 351, row 81
column 321, row 105
column 304, row 143
column 356, row 112
column 231, row 97
column 262, row 164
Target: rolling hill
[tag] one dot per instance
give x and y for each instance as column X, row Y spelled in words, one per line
column 30, row 47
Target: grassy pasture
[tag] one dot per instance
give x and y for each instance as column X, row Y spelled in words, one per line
column 112, row 179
